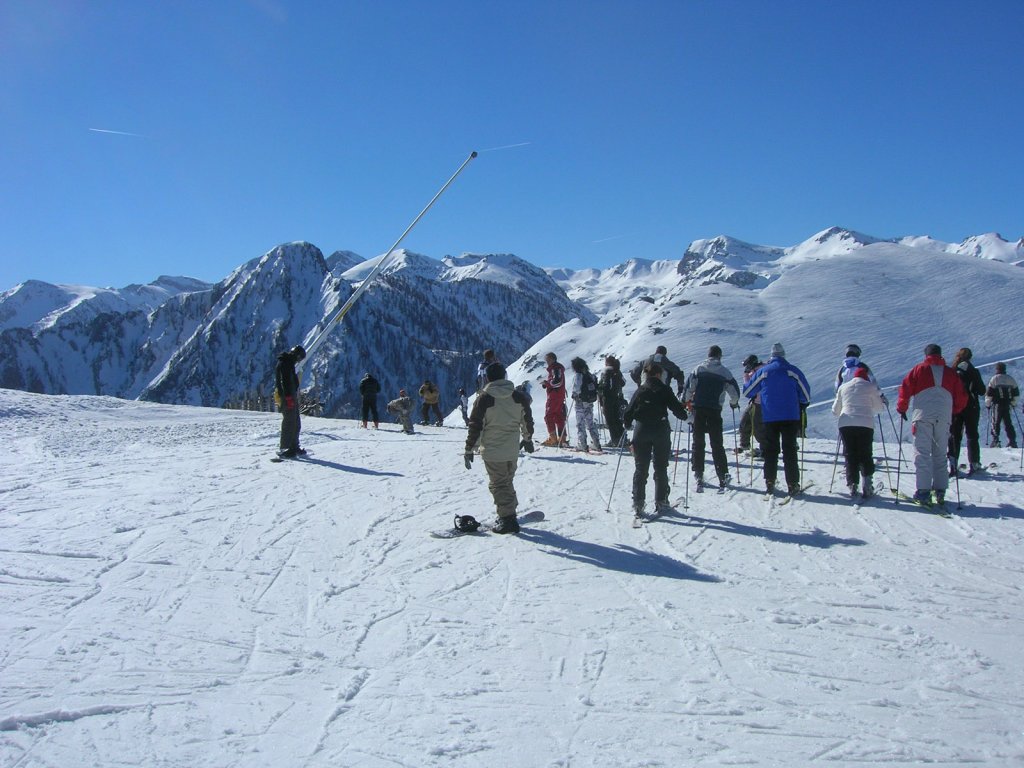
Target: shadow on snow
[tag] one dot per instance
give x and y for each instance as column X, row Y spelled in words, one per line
column 618, row 558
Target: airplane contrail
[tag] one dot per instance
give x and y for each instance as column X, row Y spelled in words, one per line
column 119, row 133
column 606, row 239
column 507, row 146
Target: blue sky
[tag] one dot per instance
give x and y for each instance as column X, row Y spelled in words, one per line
column 644, row 125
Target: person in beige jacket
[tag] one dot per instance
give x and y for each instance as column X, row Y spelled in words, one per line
column 501, row 422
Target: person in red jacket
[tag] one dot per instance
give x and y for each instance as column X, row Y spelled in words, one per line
column 554, row 409
column 937, row 394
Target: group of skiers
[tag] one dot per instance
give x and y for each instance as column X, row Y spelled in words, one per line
column 942, row 402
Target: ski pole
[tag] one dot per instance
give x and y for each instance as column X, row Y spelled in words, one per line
column 899, row 466
column 615, row 478
column 988, row 418
column 885, row 455
column 835, row 464
column 735, row 446
column 957, row 489
column 686, row 493
column 677, row 438
column 900, row 443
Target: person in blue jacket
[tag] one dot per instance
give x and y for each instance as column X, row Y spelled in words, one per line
column 784, row 395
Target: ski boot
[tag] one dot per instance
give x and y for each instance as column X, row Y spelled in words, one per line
column 506, row 525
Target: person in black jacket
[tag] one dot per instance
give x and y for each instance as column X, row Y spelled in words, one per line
column 369, row 388
column 609, row 393
column 967, row 420
column 286, row 386
column 649, row 408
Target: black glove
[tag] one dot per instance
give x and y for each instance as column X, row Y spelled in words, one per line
column 903, row 415
column 735, row 406
column 469, row 460
column 527, row 445
column 628, row 425
column 685, row 415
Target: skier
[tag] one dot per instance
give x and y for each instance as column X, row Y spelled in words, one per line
column 501, row 421
column 784, row 394
column 1001, row 398
column 584, row 395
column 857, row 403
column 851, row 363
column 286, row 391
column 649, row 408
column 554, row 408
column 967, row 420
column 464, row 405
column 704, row 394
column 481, row 369
column 402, row 408
column 937, row 396
column 431, row 400
column 609, row 394
column 751, row 423
column 369, row 388
column 669, row 370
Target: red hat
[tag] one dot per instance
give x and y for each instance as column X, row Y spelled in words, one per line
column 860, row 372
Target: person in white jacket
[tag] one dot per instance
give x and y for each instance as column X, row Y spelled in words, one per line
column 857, row 403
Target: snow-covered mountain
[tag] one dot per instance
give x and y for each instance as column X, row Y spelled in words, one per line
column 182, row 341
column 893, row 298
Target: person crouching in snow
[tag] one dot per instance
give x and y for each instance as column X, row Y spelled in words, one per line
column 584, row 395
column 402, row 408
column 501, row 421
column 649, row 408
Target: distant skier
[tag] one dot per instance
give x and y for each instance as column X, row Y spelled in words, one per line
column 751, row 423
column 706, row 389
column 669, row 370
column 851, row 363
column 1001, row 398
column 584, row 395
column 554, row 408
column 609, row 394
column 784, row 394
column 464, row 404
column 652, row 438
column 401, row 407
column 481, row 370
column 286, row 390
column 431, row 398
column 937, row 396
column 858, row 401
column 502, row 422
column 967, row 420
column 369, row 388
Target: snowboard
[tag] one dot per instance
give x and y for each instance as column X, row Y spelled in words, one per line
column 485, row 528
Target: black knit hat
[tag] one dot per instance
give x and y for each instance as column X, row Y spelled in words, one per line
column 495, row 372
column 852, row 350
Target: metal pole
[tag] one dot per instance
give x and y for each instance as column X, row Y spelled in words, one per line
column 385, row 259
column 615, row 478
column 686, row 493
column 735, row 446
column 1020, row 437
column 900, row 443
column 896, row 490
column 835, row 463
column 885, row 455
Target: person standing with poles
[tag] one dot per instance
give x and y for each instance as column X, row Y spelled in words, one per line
column 751, row 424
column 784, row 393
column 937, row 396
column 705, row 391
column 967, row 420
column 857, row 403
column 584, row 395
column 652, row 438
column 554, row 408
column 609, row 393
column 1001, row 396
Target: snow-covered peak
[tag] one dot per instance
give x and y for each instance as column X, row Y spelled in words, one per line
column 503, row 268
column 834, row 241
column 601, row 290
column 992, row 246
column 340, row 262
column 407, row 262
column 727, row 260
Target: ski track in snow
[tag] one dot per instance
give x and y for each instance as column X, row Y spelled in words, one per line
column 170, row 597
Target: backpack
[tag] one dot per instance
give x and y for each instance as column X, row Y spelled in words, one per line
column 588, row 388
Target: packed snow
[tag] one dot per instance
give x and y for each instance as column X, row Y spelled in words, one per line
column 170, row 597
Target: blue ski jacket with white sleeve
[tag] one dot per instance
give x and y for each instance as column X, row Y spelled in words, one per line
column 783, row 389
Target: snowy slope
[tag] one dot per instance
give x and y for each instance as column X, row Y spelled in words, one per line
column 169, row 597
